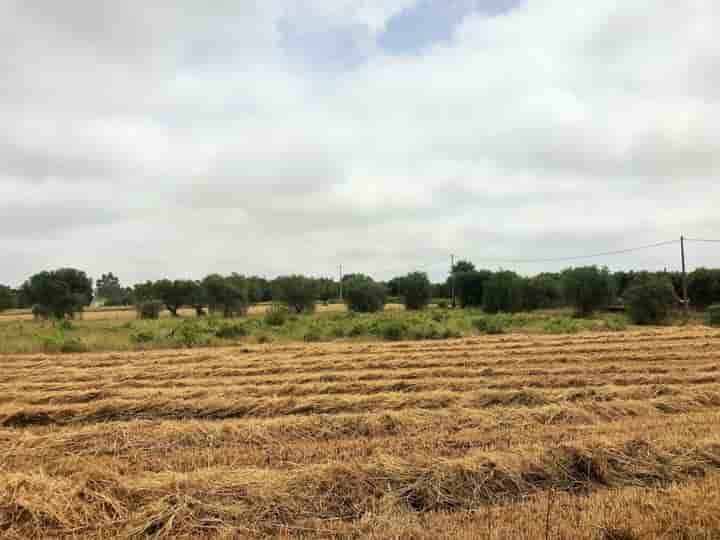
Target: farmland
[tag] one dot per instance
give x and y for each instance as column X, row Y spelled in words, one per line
column 590, row 435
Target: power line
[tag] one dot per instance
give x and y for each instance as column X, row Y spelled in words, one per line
column 588, row 256
column 701, row 240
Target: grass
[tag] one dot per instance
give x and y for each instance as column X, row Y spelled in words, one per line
column 593, row 435
column 95, row 334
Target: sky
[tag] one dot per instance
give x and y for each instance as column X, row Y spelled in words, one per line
column 179, row 138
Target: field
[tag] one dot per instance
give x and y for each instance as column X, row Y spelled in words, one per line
column 592, row 435
column 112, row 330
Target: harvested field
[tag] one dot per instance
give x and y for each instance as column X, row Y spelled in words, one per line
column 589, row 436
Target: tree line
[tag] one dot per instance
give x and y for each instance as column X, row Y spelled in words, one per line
column 67, row 291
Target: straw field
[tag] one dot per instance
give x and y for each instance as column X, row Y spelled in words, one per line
column 584, row 436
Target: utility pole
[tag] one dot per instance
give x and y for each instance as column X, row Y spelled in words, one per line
column 340, row 282
column 686, row 302
column 452, row 278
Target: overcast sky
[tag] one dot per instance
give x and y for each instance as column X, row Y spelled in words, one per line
column 178, row 138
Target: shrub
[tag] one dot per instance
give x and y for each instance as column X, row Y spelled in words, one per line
column 276, row 315
column 470, row 285
column 66, row 325
column 149, row 309
column 490, row 325
column 587, row 288
column 312, row 335
column 416, row 290
column 190, row 333
column 142, row 336
column 615, row 323
column 363, row 295
column 650, row 299
column 231, row 331
column 503, row 292
column 393, row 331
column 442, row 304
column 712, row 315
column 357, row 330
column 338, row 331
column 561, row 325
column 60, row 343
column 704, row 286
column 298, row 292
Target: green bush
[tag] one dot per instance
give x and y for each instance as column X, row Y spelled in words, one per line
column 142, row 336
column 393, row 331
column 470, row 285
column 615, row 323
column 363, row 295
column 442, row 304
column 358, row 329
column 587, row 288
column 712, row 315
column 313, row 334
column 503, row 292
column 416, row 290
column 66, row 325
column 276, row 315
column 338, row 331
column 298, row 292
column 190, row 334
column 561, row 325
column 650, row 300
column 490, row 325
column 61, row 343
column 149, row 309
column 231, row 331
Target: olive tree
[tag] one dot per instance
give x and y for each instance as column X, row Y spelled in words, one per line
column 298, row 292
column 59, row 293
column 364, row 295
column 416, row 290
column 587, row 288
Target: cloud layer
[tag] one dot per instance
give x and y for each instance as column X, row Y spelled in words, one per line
column 178, row 139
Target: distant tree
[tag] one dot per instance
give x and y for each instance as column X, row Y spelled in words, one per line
column 226, row 295
column 440, row 290
column 416, row 290
column 543, row 291
column 394, row 286
column 587, row 288
column 297, row 292
column 462, row 266
column 504, row 291
column 59, row 293
column 109, row 290
column 470, row 285
column 143, row 292
column 258, row 290
column 327, row 289
column 8, row 298
column 198, row 298
column 174, row 294
column 704, row 286
column 650, row 299
column 364, row 295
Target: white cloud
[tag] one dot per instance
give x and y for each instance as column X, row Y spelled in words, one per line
column 179, row 139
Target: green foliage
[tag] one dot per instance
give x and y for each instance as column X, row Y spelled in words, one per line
column 190, row 333
column 704, row 286
column 142, row 336
column 276, row 315
column 712, row 315
column 59, row 293
column 503, row 292
column 297, row 292
column 416, row 290
column 174, row 294
column 650, row 299
column 363, row 295
column 312, row 335
column 470, row 285
column 8, row 299
column 63, row 344
column 149, row 309
column 65, row 325
column 393, row 330
column 587, row 288
column 490, row 325
column 231, row 331
column 226, row 295
column 462, row 266
column 110, row 292
column 543, row 291
column 442, row 304
column 561, row 325
column 615, row 323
